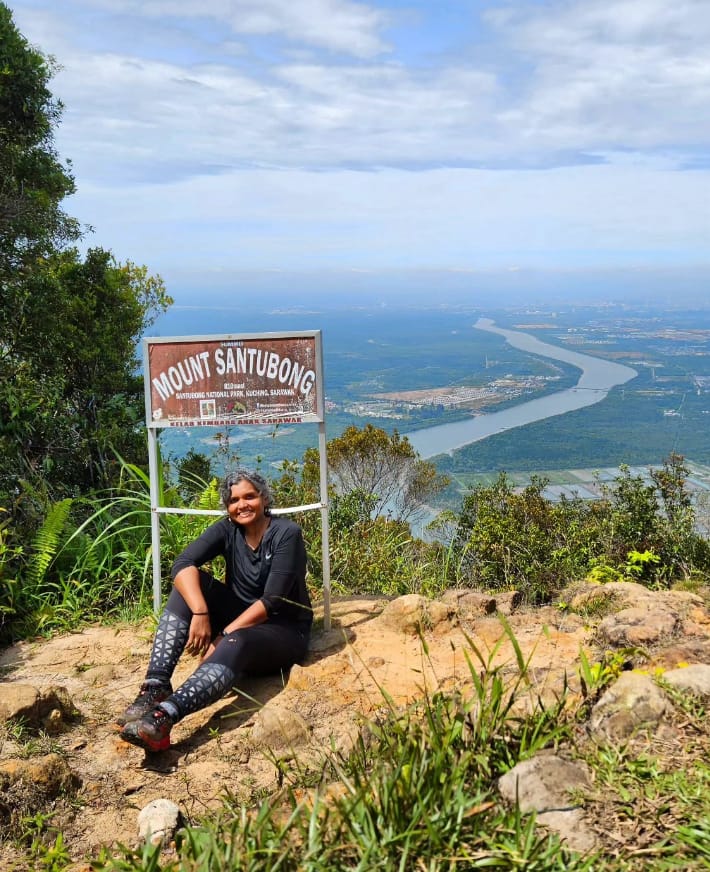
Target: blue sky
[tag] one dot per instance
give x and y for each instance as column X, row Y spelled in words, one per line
column 334, row 138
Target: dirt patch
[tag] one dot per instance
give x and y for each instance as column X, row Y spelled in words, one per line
column 344, row 679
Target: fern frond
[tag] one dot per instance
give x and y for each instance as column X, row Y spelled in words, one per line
column 210, row 498
column 44, row 547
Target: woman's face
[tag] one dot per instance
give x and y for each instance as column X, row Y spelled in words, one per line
column 246, row 505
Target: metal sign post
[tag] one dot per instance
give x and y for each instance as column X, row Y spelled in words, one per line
column 234, row 380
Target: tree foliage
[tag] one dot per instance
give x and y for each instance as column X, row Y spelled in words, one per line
column 71, row 394
column 33, row 181
column 510, row 538
column 194, row 470
column 385, row 466
column 70, row 390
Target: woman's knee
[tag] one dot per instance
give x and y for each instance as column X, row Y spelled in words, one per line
column 258, row 650
column 176, row 604
column 232, row 650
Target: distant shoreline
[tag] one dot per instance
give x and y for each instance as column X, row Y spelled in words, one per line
column 597, row 378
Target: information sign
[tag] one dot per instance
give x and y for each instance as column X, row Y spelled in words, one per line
column 223, row 380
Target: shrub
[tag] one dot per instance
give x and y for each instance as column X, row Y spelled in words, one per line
column 508, row 539
column 516, row 538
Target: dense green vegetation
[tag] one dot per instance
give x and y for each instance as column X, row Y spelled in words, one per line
column 90, row 559
column 70, row 391
column 516, row 538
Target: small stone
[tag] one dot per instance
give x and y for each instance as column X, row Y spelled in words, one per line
column 470, row 601
column 634, row 702
column 508, row 602
column 299, row 678
column 100, row 675
column 54, row 722
column 413, row 614
column 553, row 787
column 159, row 821
column 278, row 728
column 695, row 678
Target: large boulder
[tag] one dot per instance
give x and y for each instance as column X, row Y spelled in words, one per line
column 49, row 709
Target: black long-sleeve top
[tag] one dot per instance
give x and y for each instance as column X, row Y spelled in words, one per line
column 274, row 573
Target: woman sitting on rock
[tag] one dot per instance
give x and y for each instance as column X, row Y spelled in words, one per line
column 257, row 622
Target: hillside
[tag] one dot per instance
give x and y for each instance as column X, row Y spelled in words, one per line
column 379, row 654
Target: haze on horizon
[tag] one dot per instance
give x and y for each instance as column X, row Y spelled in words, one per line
column 390, row 150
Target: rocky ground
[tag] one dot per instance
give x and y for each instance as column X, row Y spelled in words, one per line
column 67, row 691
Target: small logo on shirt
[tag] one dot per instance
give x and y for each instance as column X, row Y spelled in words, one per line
column 268, row 555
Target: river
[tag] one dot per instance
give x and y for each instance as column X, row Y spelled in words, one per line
column 596, row 380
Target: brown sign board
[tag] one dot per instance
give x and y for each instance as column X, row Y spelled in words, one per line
column 216, row 381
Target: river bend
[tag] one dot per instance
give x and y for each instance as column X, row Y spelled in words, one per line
column 597, row 378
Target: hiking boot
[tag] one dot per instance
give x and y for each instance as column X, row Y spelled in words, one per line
column 151, row 732
column 151, row 693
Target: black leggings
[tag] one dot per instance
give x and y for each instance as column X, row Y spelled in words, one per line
column 260, row 650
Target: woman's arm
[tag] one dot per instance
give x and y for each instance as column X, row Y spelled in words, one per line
column 255, row 614
column 206, row 547
column 187, row 584
column 186, row 580
column 288, row 568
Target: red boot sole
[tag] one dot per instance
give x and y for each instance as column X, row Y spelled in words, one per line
column 145, row 743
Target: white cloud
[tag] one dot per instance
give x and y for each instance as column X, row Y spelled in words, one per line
column 570, row 81
column 170, row 120
column 342, row 26
column 227, row 131
column 627, row 73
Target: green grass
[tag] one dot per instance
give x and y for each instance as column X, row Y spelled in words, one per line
column 417, row 792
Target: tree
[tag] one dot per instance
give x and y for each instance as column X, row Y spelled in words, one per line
column 73, row 396
column 385, row 466
column 70, row 388
column 194, row 473
column 33, row 181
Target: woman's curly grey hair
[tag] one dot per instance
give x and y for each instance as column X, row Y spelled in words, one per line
column 260, row 484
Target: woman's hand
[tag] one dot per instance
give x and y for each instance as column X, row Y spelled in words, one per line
column 198, row 640
column 210, row 650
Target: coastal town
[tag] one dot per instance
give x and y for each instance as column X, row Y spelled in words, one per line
column 397, row 404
